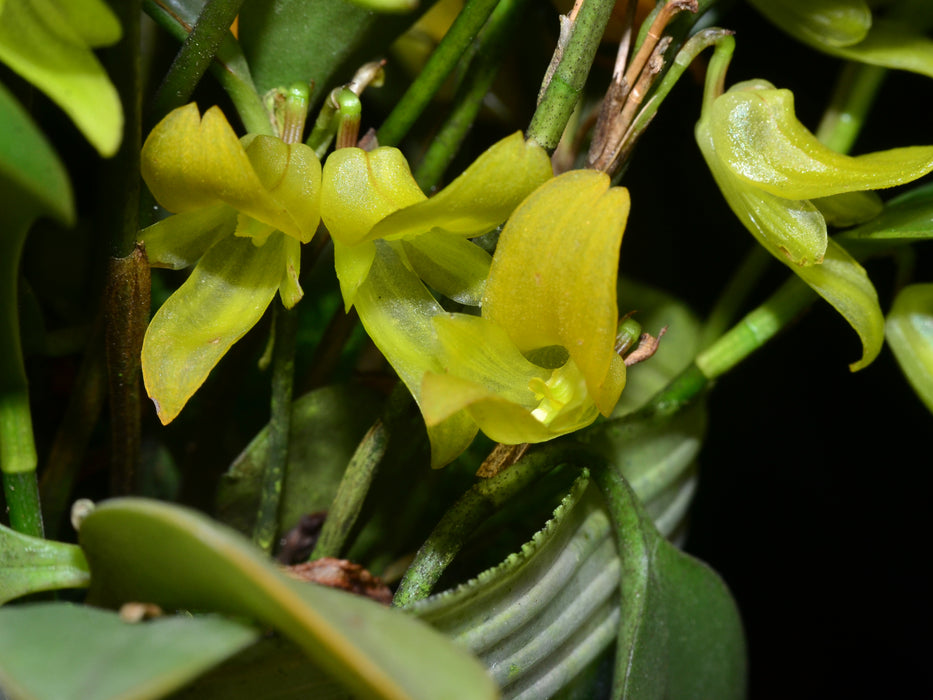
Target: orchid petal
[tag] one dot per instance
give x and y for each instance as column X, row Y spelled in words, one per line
column 511, row 399
column 396, row 310
column 352, row 263
column 757, row 136
column 553, row 277
column 226, row 294
column 361, row 188
column 192, row 162
column 481, row 198
column 452, row 265
column 289, row 288
column 180, row 240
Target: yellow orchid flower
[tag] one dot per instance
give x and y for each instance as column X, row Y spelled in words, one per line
column 243, row 207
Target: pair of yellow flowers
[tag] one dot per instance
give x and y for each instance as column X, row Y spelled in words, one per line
column 532, row 359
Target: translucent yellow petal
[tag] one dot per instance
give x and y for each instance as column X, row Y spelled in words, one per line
column 191, row 161
column 553, row 277
column 289, row 289
column 452, row 265
column 223, row 298
column 180, row 240
column 481, row 198
column 291, row 174
column 352, row 263
column 361, row 188
column 758, row 137
column 396, row 310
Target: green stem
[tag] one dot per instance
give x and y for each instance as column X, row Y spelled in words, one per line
column 855, row 93
column 490, row 49
column 195, row 55
column 18, row 459
column 573, row 58
column 435, row 72
column 348, row 501
column 273, row 475
column 461, row 520
column 755, row 329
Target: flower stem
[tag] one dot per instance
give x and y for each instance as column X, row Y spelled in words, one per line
column 195, row 55
column 573, row 57
column 855, row 93
column 273, row 475
column 489, row 51
column 734, row 294
column 435, row 72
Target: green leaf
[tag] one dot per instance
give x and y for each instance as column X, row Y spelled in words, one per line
column 756, row 134
column 177, row 558
column 905, row 218
column 326, row 426
column 910, row 334
column 224, row 297
column 680, row 635
column 284, row 43
column 891, row 44
column 39, row 41
column 31, row 564
column 29, row 168
column 60, row 651
column 819, row 22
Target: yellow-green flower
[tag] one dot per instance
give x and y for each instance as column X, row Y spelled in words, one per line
column 539, row 361
column 779, row 179
column 243, row 207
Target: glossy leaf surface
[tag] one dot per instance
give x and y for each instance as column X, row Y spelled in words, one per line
column 224, row 297
column 820, row 22
column 44, row 42
column 98, row 656
column 30, row 564
column 910, row 335
column 138, row 550
column 680, row 634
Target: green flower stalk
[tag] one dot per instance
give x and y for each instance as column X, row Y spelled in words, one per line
column 243, row 207
column 778, row 179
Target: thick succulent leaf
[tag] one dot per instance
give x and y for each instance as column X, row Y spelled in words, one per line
column 147, row 550
column 819, row 22
column 326, row 427
column 453, row 265
column 397, row 310
column 98, row 656
column 907, row 217
column 553, row 277
column 680, row 634
column 910, row 334
column 30, row 171
column 363, row 187
column 511, row 399
column 38, row 42
column 31, row 564
column 226, row 294
column 92, row 21
column 481, row 198
column 180, row 240
column 387, row 5
column 755, row 133
column 191, row 162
